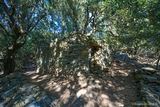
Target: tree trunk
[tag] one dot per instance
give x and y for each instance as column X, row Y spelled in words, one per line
column 9, row 59
column 135, row 50
column 157, row 63
column 89, row 60
column 9, row 64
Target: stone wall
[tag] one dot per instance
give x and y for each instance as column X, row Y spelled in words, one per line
column 64, row 54
column 71, row 55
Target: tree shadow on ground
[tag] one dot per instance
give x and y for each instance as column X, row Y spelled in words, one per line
column 80, row 89
column 16, row 90
column 90, row 90
column 70, row 84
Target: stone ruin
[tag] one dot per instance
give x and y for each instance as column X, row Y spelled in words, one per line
column 72, row 54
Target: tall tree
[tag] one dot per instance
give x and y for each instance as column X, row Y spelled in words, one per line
column 18, row 19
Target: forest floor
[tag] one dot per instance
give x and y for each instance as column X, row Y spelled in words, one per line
column 113, row 88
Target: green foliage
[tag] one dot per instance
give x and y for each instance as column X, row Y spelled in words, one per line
column 120, row 23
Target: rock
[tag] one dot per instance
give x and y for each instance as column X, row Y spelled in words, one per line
column 122, row 57
column 149, row 88
column 149, row 69
column 18, row 92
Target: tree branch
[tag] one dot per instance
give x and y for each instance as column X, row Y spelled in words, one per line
column 35, row 24
column 4, row 29
column 87, row 20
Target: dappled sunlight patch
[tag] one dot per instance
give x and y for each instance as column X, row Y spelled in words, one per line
column 23, row 95
column 110, row 84
column 63, row 45
column 57, row 88
column 98, row 86
column 146, row 60
column 81, row 92
column 123, row 73
column 94, row 86
column 79, row 74
column 73, row 62
column 106, row 91
column 71, row 82
column 104, row 96
column 120, row 88
column 30, row 73
column 97, row 81
column 90, row 87
column 69, row 85
column 42, row 78
column 50, row 85
column 89, row 95
column 35, row 76
column 73, row 87
column 57, row 71
column 108, row 103
column 149, row 69
column 91, row 103
column 56, row 85
column 92, row 94
column 105, row 101
column 82, row 81
column 65, row 96
column 118, row 104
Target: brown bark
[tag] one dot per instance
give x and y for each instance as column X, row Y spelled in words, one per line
column 17, row 33
column 9, row 64
column 9, row 59
column 157, row 63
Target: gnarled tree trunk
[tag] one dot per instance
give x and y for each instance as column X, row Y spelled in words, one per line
column 18, row 27
column 9, row 59
column 9, row 63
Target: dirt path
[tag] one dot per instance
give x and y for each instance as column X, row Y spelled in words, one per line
column 115, row 88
